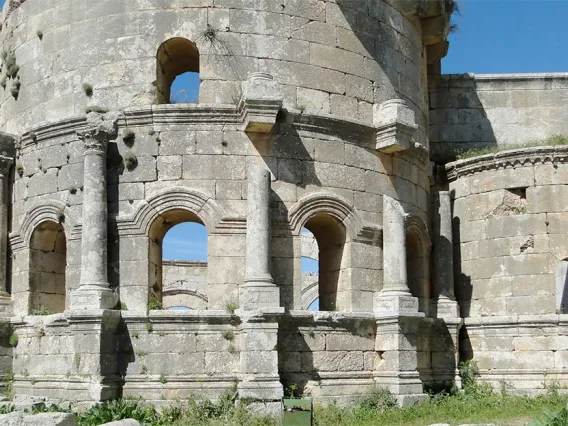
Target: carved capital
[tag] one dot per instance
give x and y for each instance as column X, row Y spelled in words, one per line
column 98, row 133
column 396, row 124
column 262, row 99
column 5, row 165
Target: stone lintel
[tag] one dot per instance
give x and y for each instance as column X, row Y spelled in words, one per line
column 261, row 102
column 395, row 125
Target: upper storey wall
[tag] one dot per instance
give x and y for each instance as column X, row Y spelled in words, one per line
column 334, row 57
column 470, row 111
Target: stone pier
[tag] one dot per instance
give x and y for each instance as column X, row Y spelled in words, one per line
column 259, row 299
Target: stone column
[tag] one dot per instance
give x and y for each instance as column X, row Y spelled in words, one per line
column 94, row 290
column 7, row 154
column 448, row 322
column 259, row 300
column 259, row 290
column 395, row 296
column 5, row 165
column 443, row 252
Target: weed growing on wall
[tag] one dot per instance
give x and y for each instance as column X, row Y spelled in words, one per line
column 88, row 90
column 554, row 140
column 128, row 136
column 13, row 341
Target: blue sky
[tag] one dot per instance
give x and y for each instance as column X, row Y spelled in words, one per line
column 509, row 36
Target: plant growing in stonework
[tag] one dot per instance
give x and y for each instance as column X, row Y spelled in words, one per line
column 128, row 136
column 41, row 309
column 88, row 89
column 96, row 109
column 13, row 341
column 231, row 306
column 163, row 379
column 15, row 90
column 228, row 335
column 130, row 161
column 149, row 327
column 153, row 303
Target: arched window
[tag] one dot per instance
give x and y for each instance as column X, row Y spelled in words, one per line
column 418, row 267
column 48, row 261
column 178, row 262
column 177, row 60
column 330, row 236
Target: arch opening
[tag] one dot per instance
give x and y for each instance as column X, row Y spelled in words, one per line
column 418, row 271
column 48, row 262
column 330, row 237
column 178, row 262
column 177, row 61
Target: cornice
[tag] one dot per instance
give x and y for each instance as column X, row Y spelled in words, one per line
column 507, row 160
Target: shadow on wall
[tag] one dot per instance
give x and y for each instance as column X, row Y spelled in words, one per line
column 458, row 119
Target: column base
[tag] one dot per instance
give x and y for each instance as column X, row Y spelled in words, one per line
column 258, row 295
column 447, row 308
column 93, row 297
column 396, row 304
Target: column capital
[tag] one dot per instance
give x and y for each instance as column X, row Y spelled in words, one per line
column 5, row 165
column 98, row 133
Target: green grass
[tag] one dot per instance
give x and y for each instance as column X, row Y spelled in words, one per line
column 457, row 409
column 551, row 141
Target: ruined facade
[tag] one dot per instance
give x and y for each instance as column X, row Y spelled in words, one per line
column 330, row 116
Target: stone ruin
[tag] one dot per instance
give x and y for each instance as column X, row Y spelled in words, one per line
column 326, row 115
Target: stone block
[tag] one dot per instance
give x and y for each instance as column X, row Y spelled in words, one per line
column 177, row 143
column 170, row 167
column 313, row 101
column 522, row 224
column 145, row 171
column 547, row 199
column 214, row 167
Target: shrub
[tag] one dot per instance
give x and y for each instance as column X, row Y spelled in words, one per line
column 379, row 400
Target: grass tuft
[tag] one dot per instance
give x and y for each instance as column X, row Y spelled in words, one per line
column 554, row 140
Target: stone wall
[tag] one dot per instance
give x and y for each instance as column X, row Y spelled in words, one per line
column 184, row 284
column 509, row 249
column 312, row 115
column 333, row 57
column 470, row 111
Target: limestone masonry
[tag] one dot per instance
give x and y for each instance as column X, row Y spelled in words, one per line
column 325, row 115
